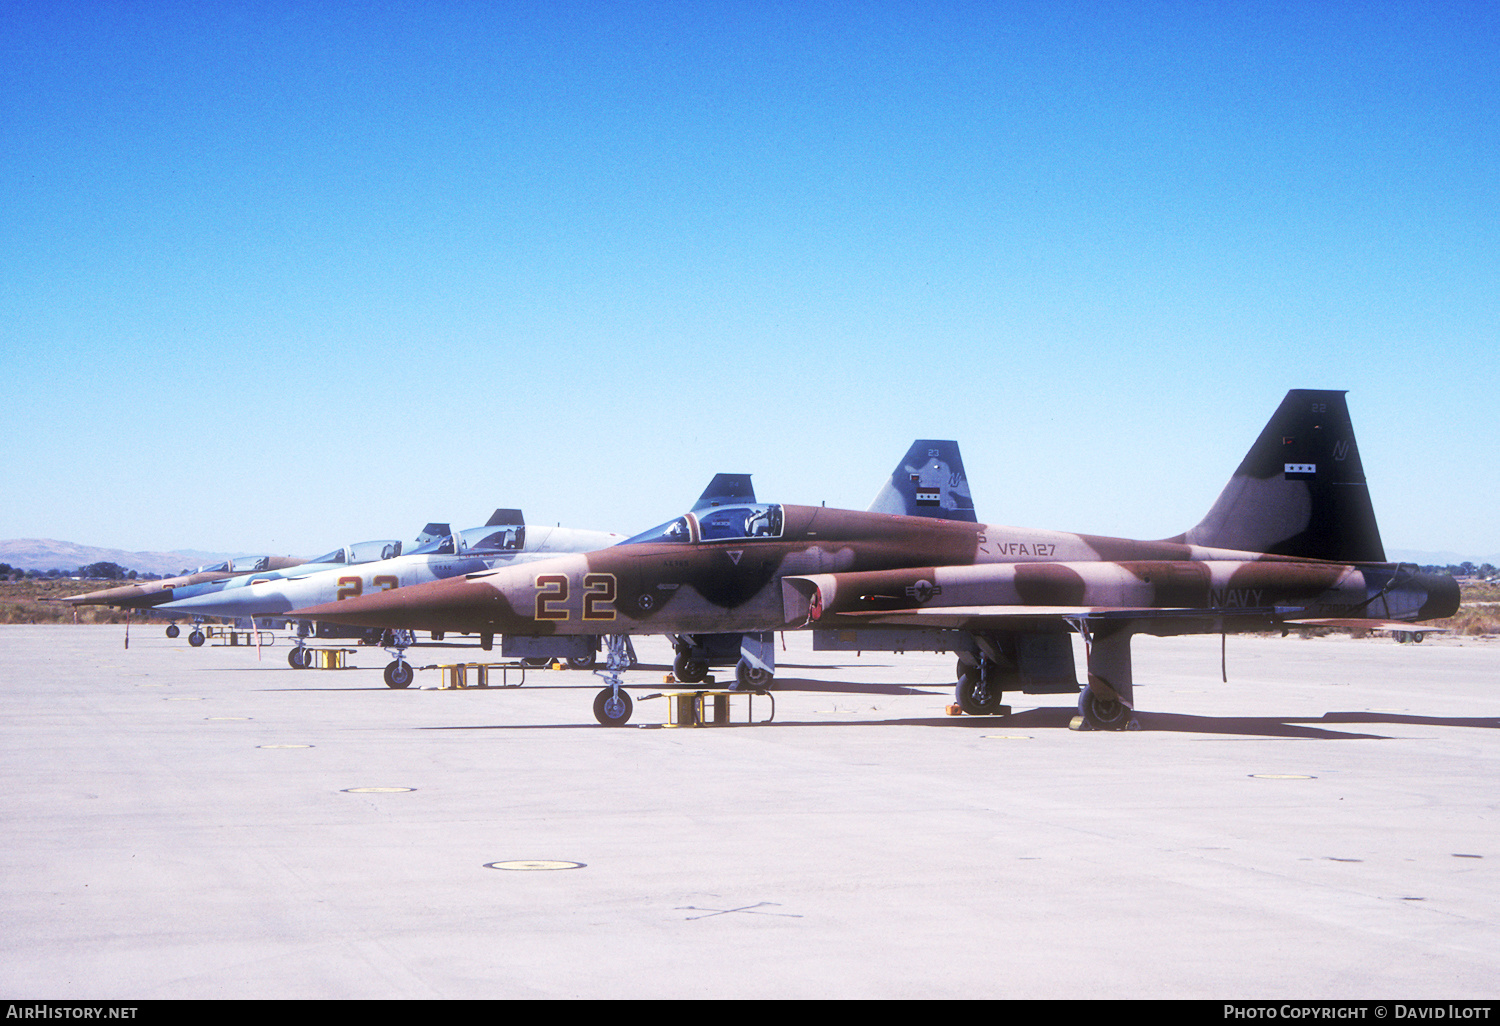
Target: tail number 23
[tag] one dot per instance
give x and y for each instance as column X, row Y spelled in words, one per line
column 353, row 587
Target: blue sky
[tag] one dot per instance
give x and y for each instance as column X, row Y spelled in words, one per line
column 274, row 277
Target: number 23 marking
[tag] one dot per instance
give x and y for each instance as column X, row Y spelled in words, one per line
column 353, row 587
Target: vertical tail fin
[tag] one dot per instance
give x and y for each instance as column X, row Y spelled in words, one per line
column 1301, row 489
column 726, row 490
column 432, row 532
column 928, row 482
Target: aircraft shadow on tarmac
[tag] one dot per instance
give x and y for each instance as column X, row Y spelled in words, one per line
column 1043, row 718
column 578, row 679
column 1060, row 718
column 842, row 688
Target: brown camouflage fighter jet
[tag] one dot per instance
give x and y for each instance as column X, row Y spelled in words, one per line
column 1291, row 541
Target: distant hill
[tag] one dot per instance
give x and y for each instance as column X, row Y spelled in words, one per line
column 1438, row 558
column 48, row 554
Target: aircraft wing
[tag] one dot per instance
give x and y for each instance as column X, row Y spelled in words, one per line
column 979, row 618
column 1001, row 617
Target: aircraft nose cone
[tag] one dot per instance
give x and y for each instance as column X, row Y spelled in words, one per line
column 1442, row 596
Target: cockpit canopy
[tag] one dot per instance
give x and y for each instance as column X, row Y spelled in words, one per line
column 443, row 546
column 724, row 523
column 362, row 552
column 478, row 540
column 495, row 538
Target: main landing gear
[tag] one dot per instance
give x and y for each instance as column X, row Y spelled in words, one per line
column 754, row 669
column 1038, row 666
column 978, row 692
column 1102, row 712
column 749, row 677
column 688, row 668
column 1108, row 701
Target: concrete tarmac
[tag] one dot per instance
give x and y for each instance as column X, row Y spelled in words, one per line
column 189, row 823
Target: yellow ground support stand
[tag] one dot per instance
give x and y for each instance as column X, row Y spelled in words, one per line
column 456, row 675
column 327, row 658
column 710, row 707
column 232, row 636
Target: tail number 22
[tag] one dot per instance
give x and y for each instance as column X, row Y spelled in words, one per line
column 552, row 591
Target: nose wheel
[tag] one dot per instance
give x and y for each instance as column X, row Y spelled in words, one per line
column 612, row 707
column 399, row 674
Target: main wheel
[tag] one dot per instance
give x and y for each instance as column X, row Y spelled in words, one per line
column 751, row 678
column 688, row 670
column 196, row 639
column 398, row 674
column 584, row 662
column 1103, row 713
column 535, row 662
column 297, row 658
column 974, row 697
column 611, row 709
column 172, row 630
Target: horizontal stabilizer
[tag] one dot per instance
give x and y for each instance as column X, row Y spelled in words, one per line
column 1369, row 625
